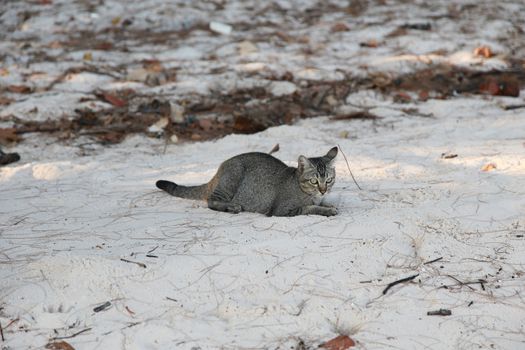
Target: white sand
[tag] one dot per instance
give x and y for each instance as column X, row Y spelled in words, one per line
column 70, row 213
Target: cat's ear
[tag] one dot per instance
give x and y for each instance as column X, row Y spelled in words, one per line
column 303, row 163
column 331, row 153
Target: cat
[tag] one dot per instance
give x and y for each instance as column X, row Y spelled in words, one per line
column 260, row 183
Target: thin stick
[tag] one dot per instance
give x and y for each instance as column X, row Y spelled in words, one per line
column 152, row 250
column 2, row 332
column 440, row 312
column 102, row 307
column 461, row 283
column 10, row 323
column 511, row 107
column 274, row 149
column 73, row 335
column 348, row 166
column 406, row 279
column 433, row 261
column 133, row 262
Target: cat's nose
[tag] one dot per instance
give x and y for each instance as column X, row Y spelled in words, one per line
column 322, row 190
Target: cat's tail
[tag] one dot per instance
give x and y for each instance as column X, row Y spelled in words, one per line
column 189, row 192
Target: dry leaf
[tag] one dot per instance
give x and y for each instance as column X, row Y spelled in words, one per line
column 196, row 137
column 483, row 51
column 153, row 65
column 339, row 27
column 4, row 72
column 114, row 100
column 55, row 44
column 4, row 101
column 500, row 87
column 341, row 342
column 59, row 345
column 88, row 56
column 115, row 20
column 402, row 97
column 423, row 95
column 247, row 47
column 19, row 89
column 205, row 124
column 488, row 167
column 111, row 137
column 370, row 43
column 104, row 45
column 8, row 135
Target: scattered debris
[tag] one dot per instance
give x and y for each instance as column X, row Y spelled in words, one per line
column 254, row 109
column 448, row 80
column 341, row 342
column 440, row 312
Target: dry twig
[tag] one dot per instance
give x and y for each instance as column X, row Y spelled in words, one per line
column 406, row 279
column 348, row 166
column 73, row 335
column 134, row 262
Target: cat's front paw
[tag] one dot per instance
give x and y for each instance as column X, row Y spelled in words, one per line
column 234, row 208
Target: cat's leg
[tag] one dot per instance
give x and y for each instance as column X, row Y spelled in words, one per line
column 326, row 205
column 221, row 200
column 318, row 210
column 228, row 181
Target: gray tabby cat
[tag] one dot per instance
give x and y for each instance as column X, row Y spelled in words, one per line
column 261, row 183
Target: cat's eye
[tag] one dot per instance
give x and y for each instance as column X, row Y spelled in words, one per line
column 329, row 180
column 313, row 181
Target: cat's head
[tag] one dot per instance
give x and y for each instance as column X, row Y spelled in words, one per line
column 317, row 175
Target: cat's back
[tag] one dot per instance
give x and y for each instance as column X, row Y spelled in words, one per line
column 257, row 161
